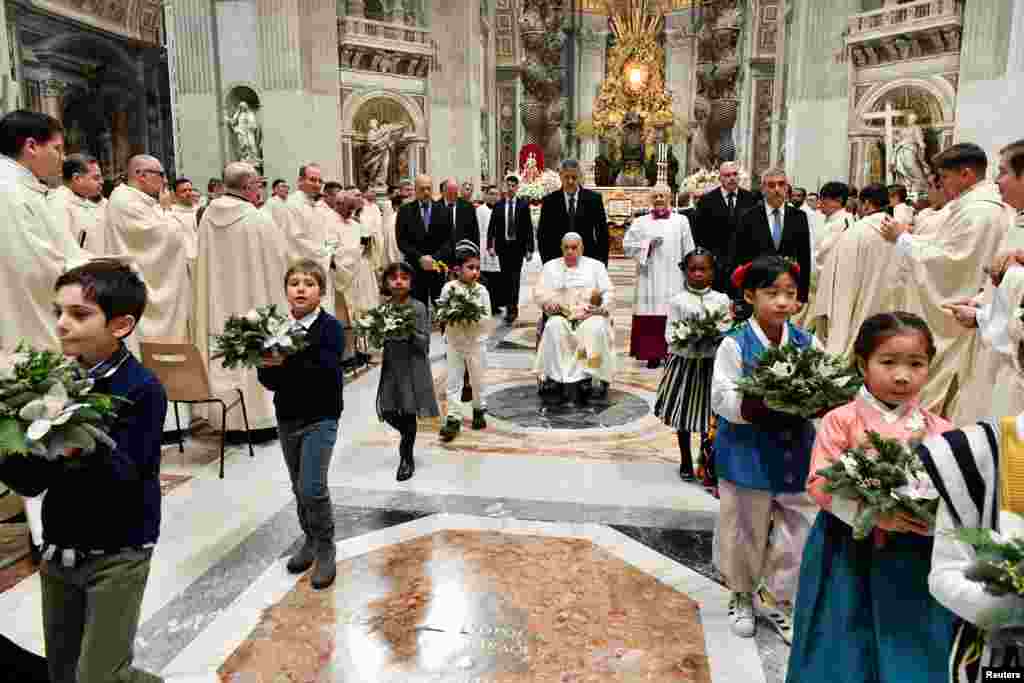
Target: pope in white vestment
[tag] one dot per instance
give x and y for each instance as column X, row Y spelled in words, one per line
column 85, row 219
column 571, row 351
column 37, row 249
column 657, row 243
column 948, row 265
column 137, row 227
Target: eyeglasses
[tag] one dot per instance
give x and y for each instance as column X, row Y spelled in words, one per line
column 162, row 174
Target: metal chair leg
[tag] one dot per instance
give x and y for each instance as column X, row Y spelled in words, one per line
column 177, row 423
column 223, row 433
column 245, row 420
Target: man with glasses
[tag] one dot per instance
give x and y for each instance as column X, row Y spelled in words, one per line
column 140, row 227
column 74, row 202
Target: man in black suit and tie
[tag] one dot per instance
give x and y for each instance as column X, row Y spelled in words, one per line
column 774, row 227
column 510, row 236
column 423, row 230
column 573, row 209
column 461, row 215
column 718, row 214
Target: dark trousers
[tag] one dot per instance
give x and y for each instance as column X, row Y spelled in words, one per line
column 511, row 275
column 20, row 665
column 494, row 281
column 307, row 455
column 90, row 616
column 426, row 286
column 405, row 424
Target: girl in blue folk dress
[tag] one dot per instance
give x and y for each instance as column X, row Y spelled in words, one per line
column 863, row 611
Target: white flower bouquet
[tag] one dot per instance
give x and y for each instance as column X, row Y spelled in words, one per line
column 247, row 338
column 701, row 181
column 461, row 307
column 699, row 334
column 387, row 322
column 884, row 476
column 806, row 382
column 47, row 406
column 546, row 183
column 999, row 567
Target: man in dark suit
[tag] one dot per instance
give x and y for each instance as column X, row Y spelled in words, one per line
column 774, row 227
column 459, row 213
column 510, row 236
column 718, row 214
column 573, row 209
column 423, row 230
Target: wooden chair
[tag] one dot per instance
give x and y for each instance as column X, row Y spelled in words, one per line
column 181, row 370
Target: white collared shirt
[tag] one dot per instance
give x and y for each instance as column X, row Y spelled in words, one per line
column 725, row 399
column 735, row 198
column 307, row 321
column 575, row 196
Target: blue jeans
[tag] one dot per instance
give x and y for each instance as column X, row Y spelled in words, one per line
column 307, row 454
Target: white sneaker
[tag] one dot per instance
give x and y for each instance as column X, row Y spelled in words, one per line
column 779, row 616
column 741, row 612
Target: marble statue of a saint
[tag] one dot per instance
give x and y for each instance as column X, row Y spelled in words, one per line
column 246, row 129
column 908, row 157
column 377, row 155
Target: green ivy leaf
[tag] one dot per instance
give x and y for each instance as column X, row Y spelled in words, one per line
column 12, row 438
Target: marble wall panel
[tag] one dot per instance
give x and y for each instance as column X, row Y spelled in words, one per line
column 237, row 29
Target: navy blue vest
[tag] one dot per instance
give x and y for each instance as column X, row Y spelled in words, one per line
column 756, row 456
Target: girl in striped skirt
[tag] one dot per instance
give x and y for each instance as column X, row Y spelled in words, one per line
column 684, row 395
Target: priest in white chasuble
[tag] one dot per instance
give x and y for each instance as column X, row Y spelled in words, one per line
column 139, row 228
column 184, row 210
column 834, row 223
column 240, row 266
column 390, row 251
column 657, row 242
column 948, row 265
column 37, row 247
column 372, row 220
column 74, row 202
column 307, row 224
column 578, row 341
column 867, row 275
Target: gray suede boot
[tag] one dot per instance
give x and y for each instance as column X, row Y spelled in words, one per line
column 326, row 565
column 321, row 522
column 303, row 559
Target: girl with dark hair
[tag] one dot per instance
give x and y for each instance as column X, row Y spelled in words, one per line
column 762, row 456
column 864, row 612
column 684, row 394
column 406, row 389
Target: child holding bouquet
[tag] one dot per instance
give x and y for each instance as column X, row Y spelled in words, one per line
column 406, row 389
column 101, row 514
column 307, row 390
column 863, row 610
column 466, row 350
column 762, row 456
column 684, row 393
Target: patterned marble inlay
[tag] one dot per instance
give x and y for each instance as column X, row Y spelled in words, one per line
column 479, row 606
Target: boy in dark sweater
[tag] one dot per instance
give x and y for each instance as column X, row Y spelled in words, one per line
column 101, row 514
column 307, row 400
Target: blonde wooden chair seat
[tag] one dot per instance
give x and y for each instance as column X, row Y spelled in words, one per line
column 181, row 370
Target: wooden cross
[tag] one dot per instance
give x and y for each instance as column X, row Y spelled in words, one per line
column 889, row 116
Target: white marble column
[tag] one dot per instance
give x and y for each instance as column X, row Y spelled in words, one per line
column 591, row 41
column 8, row 86
column 680, row 67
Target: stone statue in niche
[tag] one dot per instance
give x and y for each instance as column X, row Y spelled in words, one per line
column 380, row 140
column 246, row 131
column 700, row 156
column 908, row 157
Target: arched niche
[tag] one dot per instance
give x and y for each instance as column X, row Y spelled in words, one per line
column 252, row 149
column 382, row 105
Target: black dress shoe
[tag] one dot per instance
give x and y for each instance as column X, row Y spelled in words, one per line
column 686, row 475
column 406, row 468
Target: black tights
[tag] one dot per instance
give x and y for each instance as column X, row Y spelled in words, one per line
column 405, row 424
column 685, row 459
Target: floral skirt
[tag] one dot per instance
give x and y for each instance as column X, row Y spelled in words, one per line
column 684, row 394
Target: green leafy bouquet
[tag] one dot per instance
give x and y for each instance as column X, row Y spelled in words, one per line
column 999, row 566
column 884, row 476
column 461, row 307
column 804, row 382
column 247, row 338
column 387, row 322
column 47, row 406
column 700, row 333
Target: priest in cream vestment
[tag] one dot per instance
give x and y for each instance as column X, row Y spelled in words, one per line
column 868, row 272
column 307, row 225
column 234, row 232
column 835, row 222
column 948, row 265
column 372, row 220
column 74, row 202
column 138, row 227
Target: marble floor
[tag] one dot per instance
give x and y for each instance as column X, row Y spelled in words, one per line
column 552, row 546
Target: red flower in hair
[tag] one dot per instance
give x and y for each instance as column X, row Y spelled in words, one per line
column 740, row 274
column 794, row 268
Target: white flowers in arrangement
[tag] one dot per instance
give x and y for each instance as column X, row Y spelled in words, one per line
column 546, row 183
column 801, row 381
column 387, row 322
column 703, row 181
column 260, row 331
column 47, row 406
column 698, row 334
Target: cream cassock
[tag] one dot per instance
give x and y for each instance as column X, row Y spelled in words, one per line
column 309, row 233
column 82, row 216
column 235, row 232
column 566, row 355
